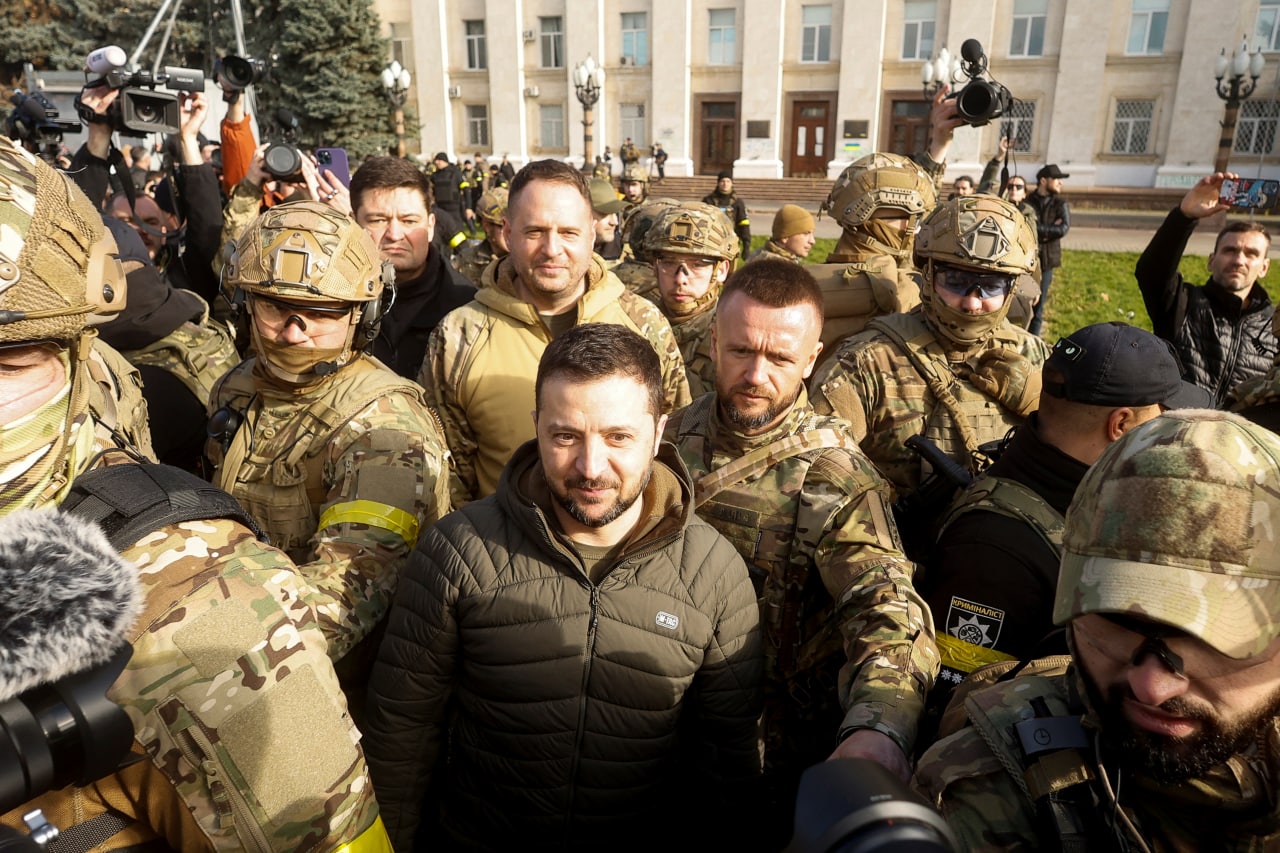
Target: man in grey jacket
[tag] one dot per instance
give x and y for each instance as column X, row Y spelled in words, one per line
column 574, row 661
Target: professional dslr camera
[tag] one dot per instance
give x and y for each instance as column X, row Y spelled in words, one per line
column 34, row 124
column 282, row 159
column 238, row 73
column 981, row 100
column 140, row 108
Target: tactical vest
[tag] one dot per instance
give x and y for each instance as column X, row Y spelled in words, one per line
column 963, row 418
column 694, row 337
column 1013, row 500
column 198, row 354
column 856, row 292
column 116, row 401
column 275, row 463
column 472, row 259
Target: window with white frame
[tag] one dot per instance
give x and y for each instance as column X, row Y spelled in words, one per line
column 551, row 124
column 1267, row 29
column 477, row 58
column 478, row 125
column 1027, row 38
column 402, row 45
column 552, row 30
column 631, row 117
column 1147, row 24
column 1131, row 133
column 815, row 34
column 1019, row 124
column 635, row 38
column 722, row 38
column 919, row 19
column 1256, row 127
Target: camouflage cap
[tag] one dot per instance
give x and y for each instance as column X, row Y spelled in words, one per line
column 1179, row 522
column 58, row 264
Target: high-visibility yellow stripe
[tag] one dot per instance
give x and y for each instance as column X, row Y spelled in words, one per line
column 966, row 657
column 372, row 840
column 457, row 238
column 374, row 514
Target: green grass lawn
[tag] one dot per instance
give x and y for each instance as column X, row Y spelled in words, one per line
column 1090, row 287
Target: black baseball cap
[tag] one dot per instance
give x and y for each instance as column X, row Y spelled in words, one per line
column 1115, row 364
column 1051, row 171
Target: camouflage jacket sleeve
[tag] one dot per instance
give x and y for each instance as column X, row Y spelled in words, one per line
column 650, row 323
column 386, row 475
column 230, row 690
column 964, row 780
column 242, row 207
column 891, row 656
column 438, row 377
column 840, row 388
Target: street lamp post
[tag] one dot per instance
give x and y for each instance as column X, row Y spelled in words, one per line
column 395, row 82
column 588, row 82
column 1233, row 90
column 940, row 71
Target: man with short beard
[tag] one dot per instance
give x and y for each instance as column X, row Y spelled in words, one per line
column 849, row 653
column 1160, row 730
column 581, row 626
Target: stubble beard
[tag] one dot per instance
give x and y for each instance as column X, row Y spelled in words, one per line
column 578, row 510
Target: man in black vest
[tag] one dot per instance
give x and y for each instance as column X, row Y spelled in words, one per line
column 1221, row 330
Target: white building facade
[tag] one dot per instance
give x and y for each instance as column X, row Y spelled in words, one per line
column 1117, row 92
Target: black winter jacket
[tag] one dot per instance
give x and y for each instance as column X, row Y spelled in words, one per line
column 1220, row 340
column 525, row 707
column 1053, row 221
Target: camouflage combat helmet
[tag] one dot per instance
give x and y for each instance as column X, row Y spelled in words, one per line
column 693, row 228
column 493, row 205
column 638, row 220
column 59, row 270
column 304, row 251
column 635, row 172
column 980, row 231
column 879, row 181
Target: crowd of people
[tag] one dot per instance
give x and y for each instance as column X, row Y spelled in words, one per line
column 473, row 507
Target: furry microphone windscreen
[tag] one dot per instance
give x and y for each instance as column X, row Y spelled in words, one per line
column 68, row 598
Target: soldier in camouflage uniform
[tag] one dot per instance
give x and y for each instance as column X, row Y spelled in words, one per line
column 693, row 248
column 1159, row 732
column 879, row 202
column 953, row 369
column 338, row 458
column 483, row 357
column 850, row 649
column 474, row 255
column 634, row 184
column 230, row 687
column 635, row 271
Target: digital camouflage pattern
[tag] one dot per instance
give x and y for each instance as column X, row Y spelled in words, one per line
column 850, row 643
column 889, row 393
column 483, row 358
column 1175, row 523
column 341, row 476
column 472, row 258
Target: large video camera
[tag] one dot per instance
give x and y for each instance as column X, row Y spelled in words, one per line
column 34, row 124
column 282, row 159
column 140, row 108
column 980, row 100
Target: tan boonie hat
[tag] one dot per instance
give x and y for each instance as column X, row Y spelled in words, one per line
column 1179, row 522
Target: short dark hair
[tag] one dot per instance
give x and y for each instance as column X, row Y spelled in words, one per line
column 552, row 171
column 593, row 351
column 1243, row 227
column 389, row 173
column 776, row 283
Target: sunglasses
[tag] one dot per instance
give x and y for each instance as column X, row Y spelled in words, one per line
column 959, row 282
column 1125, row 640
column 1017, row 186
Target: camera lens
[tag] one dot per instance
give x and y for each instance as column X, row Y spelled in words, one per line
column 146, row 111
column 979, row 102
column 237, row 71
column 282, row 160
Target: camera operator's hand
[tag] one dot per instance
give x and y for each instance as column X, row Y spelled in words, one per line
column 1005, row 142
column 325, row 187
column 194, row 106
column 1203, row 199
column 257, row 174
column 878, row 747
column 99, row 99
column 944, row 118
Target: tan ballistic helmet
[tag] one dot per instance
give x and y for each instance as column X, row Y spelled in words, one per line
column 58, row 263
column 493, row 205
column 635, row 172
column 693, row 228
column 304, row 251
column 637, row 221
column 879, row 181
column 978, row 231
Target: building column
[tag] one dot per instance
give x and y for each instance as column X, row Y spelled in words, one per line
column 1080, row 90
column 860, row 98
column 583, row 35
column 763, row 35
column 433, row 107
column 508, row 119
column 671, row 51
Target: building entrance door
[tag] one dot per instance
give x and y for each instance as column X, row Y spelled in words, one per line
column 908, row 126
column 810, row 139
column 719, row 128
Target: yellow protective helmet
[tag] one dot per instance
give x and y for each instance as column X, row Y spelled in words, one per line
column 878, row 181
column 693, row 228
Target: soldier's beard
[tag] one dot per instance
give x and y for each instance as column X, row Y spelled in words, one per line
column 579, row 510
column 746, row 421
column 1168, row 760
